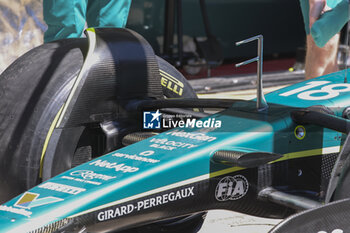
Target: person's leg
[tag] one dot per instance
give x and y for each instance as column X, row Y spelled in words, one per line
column 318, row 61
column 321, row 61
column 108, row 13
column 304, row 5
column 64, row 18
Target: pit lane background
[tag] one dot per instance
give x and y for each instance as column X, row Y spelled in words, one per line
column 21, row 29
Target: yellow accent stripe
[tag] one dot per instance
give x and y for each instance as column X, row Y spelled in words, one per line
column 91, row 30
column 309, row 153
column 59, row 117
column 48, row 136
column 294, row 155
column 300, row 154
column 87, row 64
column 225, row 171
column 172, row 78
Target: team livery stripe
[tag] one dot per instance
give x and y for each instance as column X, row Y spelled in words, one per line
column 329, row 150
column 92, row 44
column 61, row 211
column 37, row 222
column 48, row 136
column 294, row 155
column 226, row 171
column 308, row 153
column 155, row 170
column 211, row 175
column 148, row 193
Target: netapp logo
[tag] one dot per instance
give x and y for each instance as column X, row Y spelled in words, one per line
column 117, row 167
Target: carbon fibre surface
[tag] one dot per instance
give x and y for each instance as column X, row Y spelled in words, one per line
column 104, row 83
column 332, row 218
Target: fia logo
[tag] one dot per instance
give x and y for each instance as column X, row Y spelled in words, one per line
column 29, row 200
column 151, row 120
column 231, row 188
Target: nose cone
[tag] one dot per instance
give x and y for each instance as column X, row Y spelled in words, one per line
column 10, row 221
column 13, row 220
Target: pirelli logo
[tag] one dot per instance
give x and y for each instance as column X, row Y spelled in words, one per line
column 171, row 83
column 62, row 188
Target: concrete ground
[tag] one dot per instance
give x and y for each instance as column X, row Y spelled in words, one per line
column 222, row 221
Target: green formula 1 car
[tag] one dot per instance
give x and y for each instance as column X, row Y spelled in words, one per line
column 100, row 135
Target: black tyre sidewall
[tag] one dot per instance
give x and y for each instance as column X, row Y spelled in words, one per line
column 343, row 188
column 33, row 89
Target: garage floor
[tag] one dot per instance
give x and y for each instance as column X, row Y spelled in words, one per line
column 222, row 221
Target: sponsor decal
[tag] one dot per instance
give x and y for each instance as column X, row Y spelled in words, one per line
column 231, row 188
column 165, row 144
column 151, row 120
column 91, row 175
column 165, row 198
column 117, row 167
column 15, row 210
column 147, row 153
column 191, row 135
column 27, row 201
column 81, row 180
column 62, row 188
column 114, row 213
column 135, row 157
column 88, row 177
column 145, row 204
